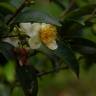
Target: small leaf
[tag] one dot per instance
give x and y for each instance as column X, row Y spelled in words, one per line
column 36, row 16
column 17, row 91
column 26, row 75
column 9, row 71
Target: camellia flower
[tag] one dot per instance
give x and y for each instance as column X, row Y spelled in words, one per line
column 40, row 33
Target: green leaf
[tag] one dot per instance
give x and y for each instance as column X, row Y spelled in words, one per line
column 4, row 90
column 9, row 71
column 74, row 21
column 3, row 28
column 7, row 50
column 36, row 16
column 78, row 13
column 82, row 45
column 16, row 3
column 17, row 91
column 90, row 60
column 66, row 54
column 70, row 29
column 59, row 3
column 6, row 8
column 26, row 75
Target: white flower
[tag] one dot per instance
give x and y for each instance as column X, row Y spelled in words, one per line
column 40, row 33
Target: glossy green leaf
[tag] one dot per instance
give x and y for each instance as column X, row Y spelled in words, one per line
column 36, row 16
column 66, row 54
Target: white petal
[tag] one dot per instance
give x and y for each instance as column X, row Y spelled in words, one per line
column 30, row 29
column 26, row 27
column 36, row 26
column 53, row 45
column 43, row 25
column 34, row 42
column 35, row 29
column 12, row 41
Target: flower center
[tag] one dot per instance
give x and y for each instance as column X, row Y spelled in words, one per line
column 48, row 34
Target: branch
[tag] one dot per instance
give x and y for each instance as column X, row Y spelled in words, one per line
column 9, row 36
column 26, row 2
column 52, row 71
column 18, row 35
column 17, row 12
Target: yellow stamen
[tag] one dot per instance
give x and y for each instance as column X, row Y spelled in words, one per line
column 48, row 34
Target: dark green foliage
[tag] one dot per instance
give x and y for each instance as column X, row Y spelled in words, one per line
column 78, row 13
column 7, row 50
column 26, row 75
column 84, row 46
column 3, row 29
column 6, row 9
column 70, row 40
column 65, row 53
column 59, row 3
column 3, row 60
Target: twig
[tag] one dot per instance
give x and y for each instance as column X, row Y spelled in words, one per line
column 67, row 9
column 17, row 12
column 18, row 35
column 59, row 3
column 26, row 2
column 91, row 16
column 52, row 71
column 9, row 36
